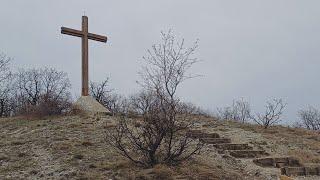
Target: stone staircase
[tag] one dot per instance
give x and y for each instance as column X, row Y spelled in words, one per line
column 289, row 166
column 225, row 146
column 301, row 171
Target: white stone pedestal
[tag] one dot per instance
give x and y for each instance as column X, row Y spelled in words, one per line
column 90, row 105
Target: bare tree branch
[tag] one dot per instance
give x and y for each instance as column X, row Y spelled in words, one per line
column 310, row 118
column 272, row 115
column 160, row 136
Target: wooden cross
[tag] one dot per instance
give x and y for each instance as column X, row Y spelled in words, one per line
column 85, row 35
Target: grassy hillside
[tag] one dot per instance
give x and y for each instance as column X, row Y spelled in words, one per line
column 74, row 147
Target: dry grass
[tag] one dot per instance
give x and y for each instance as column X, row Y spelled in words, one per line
column 305, row 156
column 74, row 147
column 159, row 172
column 300, row 143
column 285, row 178
column 198, row 170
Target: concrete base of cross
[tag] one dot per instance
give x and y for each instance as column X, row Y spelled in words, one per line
column 89, row 105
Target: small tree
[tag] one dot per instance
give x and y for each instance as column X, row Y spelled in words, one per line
column 272, row 115
column 225, row 113
column 239, row 111
column 192, row 109
column 5, row 86
column 310, row 118
column 42, row 92
column 30, row 86
column 117, row 104
column 242, row 110
column 100, row 91
column 161, row 135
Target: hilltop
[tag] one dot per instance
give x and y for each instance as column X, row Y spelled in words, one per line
column 74, row 147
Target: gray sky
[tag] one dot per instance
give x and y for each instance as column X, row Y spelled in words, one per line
column 249, row 49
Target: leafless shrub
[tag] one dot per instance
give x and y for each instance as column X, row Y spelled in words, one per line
column 272, row 115
column 42, row 92
column 120, row 105
column 4, row 66
column 116, row 103
column 5, row 86
column 239, row 111
column 225, row 113
column 310, row 118
column 161, row 135
column 142, row 102
column 100, row 91
column 192, row 109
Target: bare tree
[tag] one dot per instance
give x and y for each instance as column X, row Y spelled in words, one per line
column 243, row 111
column 56, row 83
column 272, row 115
column 225, row 113
column 142, row 102
column 100, row 91
column 5, row 86
column 56, row 98
column 239, row 111
column 29, row 84
column 4, row 66
column 161, row 136
column 310, row 118
column 44, row 91
column 116, row 103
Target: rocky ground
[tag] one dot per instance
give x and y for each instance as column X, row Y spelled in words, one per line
column 74, row 147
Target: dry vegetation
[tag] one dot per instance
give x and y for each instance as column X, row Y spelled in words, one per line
column 74, row 147
column 297, row 142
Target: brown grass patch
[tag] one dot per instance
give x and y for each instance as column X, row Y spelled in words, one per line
column 197, row 170
column 305, row 156
column 87, row 143
column 162, row 172
column 62, row 146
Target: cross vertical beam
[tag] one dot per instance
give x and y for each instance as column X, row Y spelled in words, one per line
column 85, row 57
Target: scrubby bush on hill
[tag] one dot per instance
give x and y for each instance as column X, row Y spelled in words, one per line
column 42, row 92
column 116, row 103
column 310, row 118
column 272, row 114
column 239, row 111
column 161, row 134
column 5, row 86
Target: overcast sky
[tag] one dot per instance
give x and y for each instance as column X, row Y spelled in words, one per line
column 249, row 49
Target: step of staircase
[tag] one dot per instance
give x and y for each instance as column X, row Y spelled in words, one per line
column 215, row 140
column 247, row 153
column 199, row 134
column 277, row 162
column 301, row 171
column 231, row 146
column 181, row 177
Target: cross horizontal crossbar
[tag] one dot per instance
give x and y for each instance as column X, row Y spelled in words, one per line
column 77, row 33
